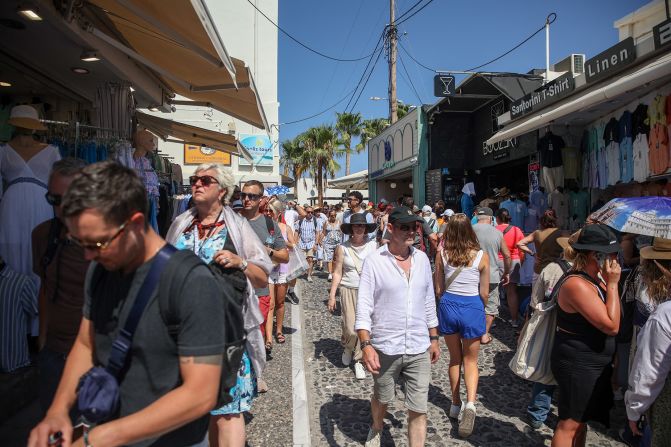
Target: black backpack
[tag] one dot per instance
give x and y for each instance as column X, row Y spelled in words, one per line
column 233, row 284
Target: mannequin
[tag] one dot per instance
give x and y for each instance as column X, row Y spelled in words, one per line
column 144, row 144
column 559, row 201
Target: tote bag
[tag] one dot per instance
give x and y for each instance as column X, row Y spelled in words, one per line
column 532, row 358
column 297, row 264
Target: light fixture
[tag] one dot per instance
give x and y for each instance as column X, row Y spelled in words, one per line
column 80, row 70
column 153, row 109
column 29, row 11
column 410, row 185
column 392, row 185
column 5, row 84
column 89, row 56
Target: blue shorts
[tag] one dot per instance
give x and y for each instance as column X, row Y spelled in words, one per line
column 463, row 315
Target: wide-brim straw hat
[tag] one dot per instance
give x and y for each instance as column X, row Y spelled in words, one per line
column 25, row 117
column 357, row 219
column 660, row 249
column 565, row 242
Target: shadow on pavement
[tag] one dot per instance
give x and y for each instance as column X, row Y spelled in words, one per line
column 500, row 433
column 330, row 349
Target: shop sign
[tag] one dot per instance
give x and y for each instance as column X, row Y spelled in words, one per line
column 534, row 176
column 610, row 61
column 500, row 149
column 662, row 34
column 259, row 147
column 443, row 85
column 549, row 93
column 377, row 173
column 195, row 155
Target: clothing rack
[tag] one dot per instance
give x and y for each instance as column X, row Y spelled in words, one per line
column 80, row 128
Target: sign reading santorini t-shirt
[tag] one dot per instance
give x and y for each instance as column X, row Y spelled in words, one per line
column 544, row 96
column 610, row 61
column 259, row 147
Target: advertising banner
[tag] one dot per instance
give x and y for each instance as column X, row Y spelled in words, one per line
column 260, row 147
column 195, row 155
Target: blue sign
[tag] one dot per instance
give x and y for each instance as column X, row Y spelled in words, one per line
column 387, row 151
column 260, row 147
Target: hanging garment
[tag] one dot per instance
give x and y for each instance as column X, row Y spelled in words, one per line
column 593, row 157
column 657, row 111
column 639, row 120
column 550, row 148
column 611, row 137
column 658, row 144
column 552, row 177
column 641, row 165
column 559, row 201
column 572, row 162
column 626, row 148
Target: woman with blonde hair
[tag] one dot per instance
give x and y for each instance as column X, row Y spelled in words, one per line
column 649, row 389
column 217, row 234
column 278, row 277
column 461, row 280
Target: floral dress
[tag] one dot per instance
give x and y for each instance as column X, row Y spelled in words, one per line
column 332, row 239
column 244, row 391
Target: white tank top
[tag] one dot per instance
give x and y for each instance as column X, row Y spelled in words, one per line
column 467, row 283
column 352, row 262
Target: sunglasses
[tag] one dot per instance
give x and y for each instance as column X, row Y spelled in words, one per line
column 407, row 227
column 250, row 196
column 205, row 180
column 53, row 199
column 99, row 246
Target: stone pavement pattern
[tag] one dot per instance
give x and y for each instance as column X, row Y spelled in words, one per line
column 340, row 410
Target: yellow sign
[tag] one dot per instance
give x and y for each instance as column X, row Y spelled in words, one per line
column 195, row 155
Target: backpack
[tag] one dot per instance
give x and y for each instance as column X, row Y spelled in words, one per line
column 270, row 225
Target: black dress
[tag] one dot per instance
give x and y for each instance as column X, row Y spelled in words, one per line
column 581, row 364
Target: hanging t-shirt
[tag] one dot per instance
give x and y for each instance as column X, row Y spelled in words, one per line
column 657, row 111
column 639, row 120
column 550, row 147
column 593, row 157
column 579, row 206
column 658, row 144
column 626, row 147
column 641, row 169
column 602, row 157
column 584, row 150
column 571, row 159
column 517, row 210
column 611, row 138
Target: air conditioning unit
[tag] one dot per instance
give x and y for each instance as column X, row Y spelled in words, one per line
column 575, row 63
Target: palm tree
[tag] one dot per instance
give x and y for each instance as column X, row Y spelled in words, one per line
column 403, row 109
column 371, row 129
column 291, row 158
column 320, row 148
column 348, row 125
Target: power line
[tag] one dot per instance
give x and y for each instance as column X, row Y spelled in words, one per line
column 396, row 23
column 415, row 60
column 318, row 113
column 380, row 39
column 410, row 79
column 409, row 9
column 304, row 45
column 367, row 79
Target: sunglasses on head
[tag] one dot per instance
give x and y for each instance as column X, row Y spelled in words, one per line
column 205, row 180
column 53, row 199
column 250, row 196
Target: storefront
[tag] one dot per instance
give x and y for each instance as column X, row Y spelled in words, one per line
column 397, row 159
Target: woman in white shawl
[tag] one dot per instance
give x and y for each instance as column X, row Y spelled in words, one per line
column 216, row 233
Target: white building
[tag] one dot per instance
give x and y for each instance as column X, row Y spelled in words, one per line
column 305, row 191
column 247, row 36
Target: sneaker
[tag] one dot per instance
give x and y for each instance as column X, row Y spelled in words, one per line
column 359, row 371
column 455, row 410
column 261, row 385
column 293, row 297
column 330, row 277
column 467, row 420
column 515, row 324
column 617, row 395
column 373, row 439
column 310, row 278
column 534, row 423
column 346, row 357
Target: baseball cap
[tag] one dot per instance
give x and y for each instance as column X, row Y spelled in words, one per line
column 236, row 205
column 426, row 209
column 403, row 215
column 597, row 237
column 448, row 213
column 485, row 211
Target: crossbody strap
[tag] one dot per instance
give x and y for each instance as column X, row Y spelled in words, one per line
column 454, row 274
column 124, row 339
column 355, row 259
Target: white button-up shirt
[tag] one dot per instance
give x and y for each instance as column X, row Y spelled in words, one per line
column 397, row 311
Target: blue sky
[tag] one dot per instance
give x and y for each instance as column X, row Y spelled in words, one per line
column 445, row 35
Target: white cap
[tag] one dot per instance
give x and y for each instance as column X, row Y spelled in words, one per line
column 448, row 213
column 426, row 209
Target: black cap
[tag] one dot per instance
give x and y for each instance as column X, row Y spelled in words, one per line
column 402, row 215
column 485, row 211
column 597, row 237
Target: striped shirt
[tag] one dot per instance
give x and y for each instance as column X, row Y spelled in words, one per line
column 18, row 306
column 307, row 230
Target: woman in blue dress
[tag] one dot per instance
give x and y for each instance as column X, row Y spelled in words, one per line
column 217, row 234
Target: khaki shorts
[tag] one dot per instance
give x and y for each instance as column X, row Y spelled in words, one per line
column 309, row 252
column 416, row 370
column 493, row 303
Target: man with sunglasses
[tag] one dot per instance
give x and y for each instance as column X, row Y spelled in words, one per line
column 62, row 268
column 397, row 325
column 168, row 386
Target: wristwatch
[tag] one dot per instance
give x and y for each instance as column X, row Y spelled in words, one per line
column 243, row 266
column 434, row 337
column 365, row 343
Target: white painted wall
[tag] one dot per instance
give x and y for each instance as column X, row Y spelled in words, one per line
column 247, row 36
column 639, row 23
column 306, row 188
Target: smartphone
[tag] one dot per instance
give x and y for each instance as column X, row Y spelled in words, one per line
column 601, row 259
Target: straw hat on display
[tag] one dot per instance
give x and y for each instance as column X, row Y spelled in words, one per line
column 25, row 117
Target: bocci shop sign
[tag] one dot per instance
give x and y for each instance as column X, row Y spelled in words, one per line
column 500, row 149
column 544, row 96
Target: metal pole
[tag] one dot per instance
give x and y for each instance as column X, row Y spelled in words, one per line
column 547, row 51
column 393, row 103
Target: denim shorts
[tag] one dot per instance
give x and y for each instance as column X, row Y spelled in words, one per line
column 463, row 315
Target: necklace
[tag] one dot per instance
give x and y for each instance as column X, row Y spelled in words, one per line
column 401, row 258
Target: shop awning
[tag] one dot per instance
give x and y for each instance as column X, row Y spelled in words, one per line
column 358, row 180
column 166, row 128
column 178, row 40
column 655, row 71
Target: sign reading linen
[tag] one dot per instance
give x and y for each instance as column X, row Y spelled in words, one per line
column 260, row 147
column 610, row 61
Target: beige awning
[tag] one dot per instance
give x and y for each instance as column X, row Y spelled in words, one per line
column 189, row 134
column 357, row 180
column 178, row 40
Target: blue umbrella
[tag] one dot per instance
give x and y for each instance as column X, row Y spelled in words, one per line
column 648, row 216
column 277, row 190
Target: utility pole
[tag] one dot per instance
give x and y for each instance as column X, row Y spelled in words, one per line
column 393, row 104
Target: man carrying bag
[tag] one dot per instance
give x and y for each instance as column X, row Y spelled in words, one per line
column 165, row 386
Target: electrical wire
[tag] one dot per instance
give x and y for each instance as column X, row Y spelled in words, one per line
column 367, row 79
column 318, row 113
column 396, row 23
column 304, row 45
column 408, row 10
column 410, row 79
column 363, row 75
column 433, row 70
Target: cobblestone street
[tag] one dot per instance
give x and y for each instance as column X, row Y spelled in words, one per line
column 339, row 404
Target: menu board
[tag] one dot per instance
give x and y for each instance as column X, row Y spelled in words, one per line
column 434, row 186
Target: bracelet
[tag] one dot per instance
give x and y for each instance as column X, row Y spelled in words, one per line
column 434, row 337
column 86, row 439
column 364, row 343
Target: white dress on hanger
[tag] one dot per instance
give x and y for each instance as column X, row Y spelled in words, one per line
column 22, row 204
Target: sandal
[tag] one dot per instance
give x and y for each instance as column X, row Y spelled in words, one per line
column 489, row 340
column 279, row 338
column 269, row 347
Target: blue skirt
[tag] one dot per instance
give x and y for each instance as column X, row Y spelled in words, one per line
column 244, row 391
column 463, row 315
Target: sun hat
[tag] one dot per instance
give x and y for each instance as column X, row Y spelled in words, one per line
column 403, row 215
column 660, row 249
column 448, row 213
column 597, row 237
column 26, row 117
column 427, row 209
column 357, row 219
